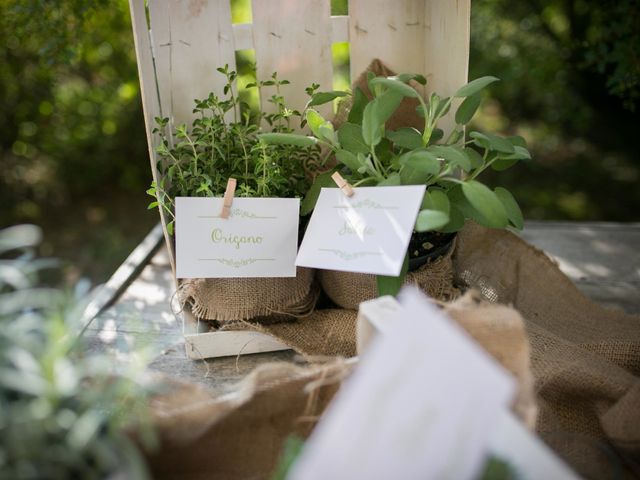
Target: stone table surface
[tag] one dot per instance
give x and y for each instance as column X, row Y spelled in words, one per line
column 602, row 259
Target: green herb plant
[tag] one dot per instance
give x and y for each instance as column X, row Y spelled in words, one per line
column 223, row 142
column 63, row 414
column 368, row 154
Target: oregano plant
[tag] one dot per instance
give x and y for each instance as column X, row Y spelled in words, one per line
column 223, row 142
column 368, row 154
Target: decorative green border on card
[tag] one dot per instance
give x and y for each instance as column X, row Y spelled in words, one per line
column 240, row 213
column 368, row 204
column 243, row 262
column 346, row 255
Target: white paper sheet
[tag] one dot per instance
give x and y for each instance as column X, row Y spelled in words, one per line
column 368, row 232
column 259, row 239
column 422, row 404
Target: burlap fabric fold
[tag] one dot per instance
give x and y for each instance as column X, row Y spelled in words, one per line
column 348, row 289
column 240, row 435
column 500, row 330
column 228, row 299
column 585, row 358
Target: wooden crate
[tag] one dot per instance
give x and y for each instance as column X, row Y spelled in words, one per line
column 180, row 43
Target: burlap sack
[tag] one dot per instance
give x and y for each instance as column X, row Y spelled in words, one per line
column 326, row 332
column 240, row 436
column 348, row 290
column 227, row 299
column 585, row 358
column 404, row 116
column 499, row 329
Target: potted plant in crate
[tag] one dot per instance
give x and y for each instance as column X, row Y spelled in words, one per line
column 367, row 154
column 224, row 143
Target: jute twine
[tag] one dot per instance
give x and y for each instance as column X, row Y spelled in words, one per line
column 228, row 299
column 348, row 289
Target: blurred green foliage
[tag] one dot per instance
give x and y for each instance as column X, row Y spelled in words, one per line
column 63, row 413
column 74, row 155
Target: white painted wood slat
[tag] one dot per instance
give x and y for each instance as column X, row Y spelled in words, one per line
column 392, row 32
column 293, row 38
column 447, row 54
column 199, row 38
column 243, row 32
column 149, row 93
column 416, row 36
column 243, row 36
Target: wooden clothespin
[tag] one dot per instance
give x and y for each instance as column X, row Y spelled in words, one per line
column 228, row 198
column 342, row 184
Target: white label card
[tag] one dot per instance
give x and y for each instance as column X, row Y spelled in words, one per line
column 422, row 403
column 259, row 239
column 366, row 233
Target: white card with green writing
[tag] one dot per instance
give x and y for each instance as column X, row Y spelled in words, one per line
column 368, row 232
column 259, row 239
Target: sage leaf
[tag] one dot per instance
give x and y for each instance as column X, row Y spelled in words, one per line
column 475, row 86
column 443, row 107
column 422, row 161
column 350, row 138
column 359, row 102
column 467, row 109
column 436, row 135
column 321, row 98
column 288, row 139
column 501, row 164
column 412, row 176
column 452, row 154
column 387, row 104
column 315, row 121
column 391, row 285
column 456, row 221
column 486, row 202
column 474, row 157
column 409, row 138
column 436, row 200
column 396, row 85
column 407, row 77
column 511, row 206
column 517, row 141
column 371, row 125
column 349, row 159
column 431, row 220
column 392, row 180
column 323, row 180
column 492, row 142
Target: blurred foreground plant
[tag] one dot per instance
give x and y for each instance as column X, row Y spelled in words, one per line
column 63, row 414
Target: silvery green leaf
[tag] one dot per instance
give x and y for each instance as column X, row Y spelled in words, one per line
column 486, row 202
column 431, row 220
column 511, row 206
column 475, row 86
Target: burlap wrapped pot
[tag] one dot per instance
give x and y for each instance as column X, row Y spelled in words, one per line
column 348, row 290
column 228, row 299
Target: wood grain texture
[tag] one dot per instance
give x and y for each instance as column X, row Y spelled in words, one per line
column 413, row 36
column 145, row 52
column 293, row 38
column 447, row 55
column 201, row 40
